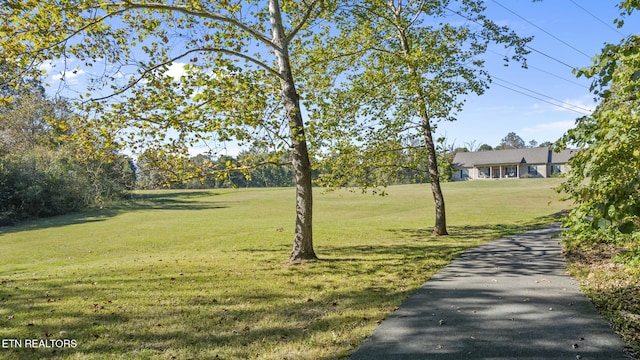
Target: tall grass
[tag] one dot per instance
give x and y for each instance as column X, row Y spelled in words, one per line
column 202, row 274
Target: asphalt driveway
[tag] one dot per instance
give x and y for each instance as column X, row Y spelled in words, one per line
column 507, row 299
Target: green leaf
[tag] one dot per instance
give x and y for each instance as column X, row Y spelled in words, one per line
column 627, row 227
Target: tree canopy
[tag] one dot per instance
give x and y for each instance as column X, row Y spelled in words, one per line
column 40, row 172
column 511, row 141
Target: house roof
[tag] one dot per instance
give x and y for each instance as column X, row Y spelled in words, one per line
column 541, row 155
column 563, row 156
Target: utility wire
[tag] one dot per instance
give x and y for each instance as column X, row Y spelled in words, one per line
column 597, row 18
column 550, row 57
column 558, row 76
column 527, row 46
column 563, row 104
column 529, row 66
column 543, row 100
column 541, row 29
column 557, row 103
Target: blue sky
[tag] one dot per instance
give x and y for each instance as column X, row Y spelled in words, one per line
column 488, row 118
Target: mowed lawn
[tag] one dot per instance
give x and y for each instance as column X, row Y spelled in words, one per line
column 203, row 274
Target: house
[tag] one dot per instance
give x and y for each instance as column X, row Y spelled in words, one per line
column 539, row 162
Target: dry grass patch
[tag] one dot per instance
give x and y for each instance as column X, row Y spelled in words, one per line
column 613, row 287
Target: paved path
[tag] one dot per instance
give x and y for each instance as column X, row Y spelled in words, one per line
column 507, row 299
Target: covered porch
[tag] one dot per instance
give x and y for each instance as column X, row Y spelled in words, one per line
column 505, row 171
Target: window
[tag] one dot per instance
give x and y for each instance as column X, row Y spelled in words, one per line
column 484, row 172
column 532, row 170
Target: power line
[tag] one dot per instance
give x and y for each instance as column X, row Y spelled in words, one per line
column 527, row 46
column 557, row 103
column 543, row 30
column 543, row 100
column 597, row 18
column 563, row 104
column 529, row 66
column 550, row 57
column 558, row 76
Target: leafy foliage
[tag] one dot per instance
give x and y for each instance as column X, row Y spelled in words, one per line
column 512, row 141
column 605, row 179
column 40, row 175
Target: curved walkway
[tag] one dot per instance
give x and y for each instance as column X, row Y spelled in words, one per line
column 507, row 299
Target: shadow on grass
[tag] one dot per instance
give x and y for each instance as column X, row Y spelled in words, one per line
column 493, row 231
column 224, row 310
column 176, row 200
column 193, row 326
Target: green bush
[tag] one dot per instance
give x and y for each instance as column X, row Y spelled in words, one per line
column 43, row 183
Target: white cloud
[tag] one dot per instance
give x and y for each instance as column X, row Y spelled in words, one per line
column 176, row 70
column 60, row 71
column 46, row 66
column 584, row 104
column 73, row 74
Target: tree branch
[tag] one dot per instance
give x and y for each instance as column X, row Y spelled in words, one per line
column 306, row 16
column 170, row 61
column 205, row 14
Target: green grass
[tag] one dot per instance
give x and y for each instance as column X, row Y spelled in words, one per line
column 203, row 274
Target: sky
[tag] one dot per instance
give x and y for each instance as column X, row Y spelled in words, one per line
column 569, row 33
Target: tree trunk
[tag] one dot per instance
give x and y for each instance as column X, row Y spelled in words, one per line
column 303, row 236
column 440, row 227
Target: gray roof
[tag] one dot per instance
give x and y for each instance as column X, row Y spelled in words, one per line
column 541, row 155
column 563, row 156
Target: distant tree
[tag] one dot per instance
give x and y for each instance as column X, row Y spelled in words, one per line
column 511, row 141
column 485, row 147
column 266, row 169
column 472, row 145
column 546, row 144
column 532, row 144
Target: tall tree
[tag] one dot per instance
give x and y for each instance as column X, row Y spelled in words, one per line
column 603, row 181
column 166, row 76
column 399, row 67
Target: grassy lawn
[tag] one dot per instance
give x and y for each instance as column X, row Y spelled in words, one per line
column 203, row 274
